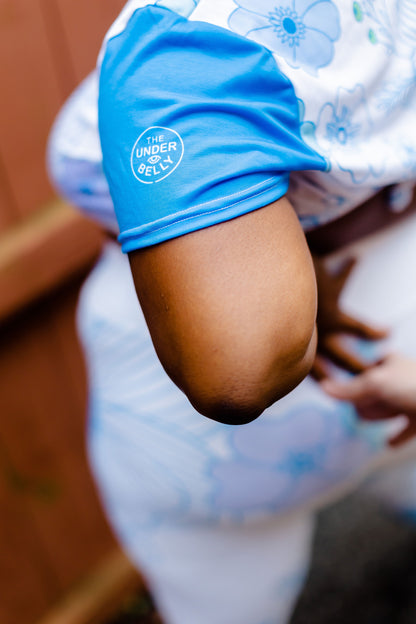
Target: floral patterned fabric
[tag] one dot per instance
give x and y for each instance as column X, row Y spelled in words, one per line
column 301, row 31
column 353, row 68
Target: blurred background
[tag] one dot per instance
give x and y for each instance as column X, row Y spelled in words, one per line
column 59, row 563
column 52, row 530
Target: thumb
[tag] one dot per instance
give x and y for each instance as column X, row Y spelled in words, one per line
column 347, row 268
column 351, row 390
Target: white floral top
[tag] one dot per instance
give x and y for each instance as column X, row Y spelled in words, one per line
column 351, row 68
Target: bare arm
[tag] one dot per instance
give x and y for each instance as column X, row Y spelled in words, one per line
column 231, row 311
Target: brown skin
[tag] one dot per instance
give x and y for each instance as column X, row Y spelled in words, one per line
column 333, row 324
column 380, row 391
column 372, row 216
column 231, row 310
column 383, row 391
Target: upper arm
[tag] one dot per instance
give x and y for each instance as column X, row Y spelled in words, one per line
column 199, row 130
column 231, row 310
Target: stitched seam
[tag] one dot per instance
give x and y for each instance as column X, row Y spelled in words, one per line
column 212, row 201
column 158, row 229
column 237, row 193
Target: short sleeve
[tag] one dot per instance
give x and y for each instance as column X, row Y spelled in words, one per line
column 197, row 126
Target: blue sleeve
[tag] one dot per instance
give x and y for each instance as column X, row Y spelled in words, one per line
column 197, row 126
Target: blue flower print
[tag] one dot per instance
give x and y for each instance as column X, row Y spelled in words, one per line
column 398, row 92
column 342, row 130
column 341, row 127
column 182, row 7
column 272, row 470
column 395, row 31
column 300, row 31
column 379, row 14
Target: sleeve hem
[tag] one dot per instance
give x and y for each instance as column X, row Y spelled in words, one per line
column 154, row 233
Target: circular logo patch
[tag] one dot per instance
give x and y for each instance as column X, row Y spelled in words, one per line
column 156, row 154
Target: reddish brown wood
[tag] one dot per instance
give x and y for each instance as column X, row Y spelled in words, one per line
column 30, row 99
column 88, row 533
column 59, row 46
column 52, row 527
column 42, row 252
column 85, row 24
column 8, row 208
column 51, row 520
column 98, row 596
column 22, row 565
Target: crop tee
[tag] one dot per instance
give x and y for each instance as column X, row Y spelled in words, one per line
column 211, row 109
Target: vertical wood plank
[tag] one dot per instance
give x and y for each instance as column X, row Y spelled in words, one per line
column 52, row 507
column 59, row 46
column 88, row 534
column 52, row 529
column 85, row 24
column 27, row 583
column 8, row 208
column 30, row 99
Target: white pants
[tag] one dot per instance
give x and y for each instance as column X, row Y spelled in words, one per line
column 219, row 518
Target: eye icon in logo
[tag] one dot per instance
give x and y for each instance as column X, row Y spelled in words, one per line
column 154, row 159
column 156, row 154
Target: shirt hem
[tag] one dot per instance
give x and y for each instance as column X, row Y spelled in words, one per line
column 151, row 234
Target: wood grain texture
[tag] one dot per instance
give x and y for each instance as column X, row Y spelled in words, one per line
column 42, row 252
column 86, row 24
column 8, row 206
column 30, row 99
column 52, row 527
column 95, row 598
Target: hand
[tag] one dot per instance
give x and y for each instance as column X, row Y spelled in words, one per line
column 384, row 391
column 332, row 323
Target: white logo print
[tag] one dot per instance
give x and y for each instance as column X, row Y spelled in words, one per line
column 156, row 154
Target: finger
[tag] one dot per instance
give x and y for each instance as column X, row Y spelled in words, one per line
column 403, row 436
column 358, row 391
column 353, row 390
column 331, row 346
column 346, row 269
column 374, row 411
column 320, row 368
column 354, row 326
column 339, row 277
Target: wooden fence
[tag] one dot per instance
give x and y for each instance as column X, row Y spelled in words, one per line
column 52, row 529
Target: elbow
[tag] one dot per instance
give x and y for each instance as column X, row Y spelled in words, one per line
column 228, row 409
column 239, row 393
